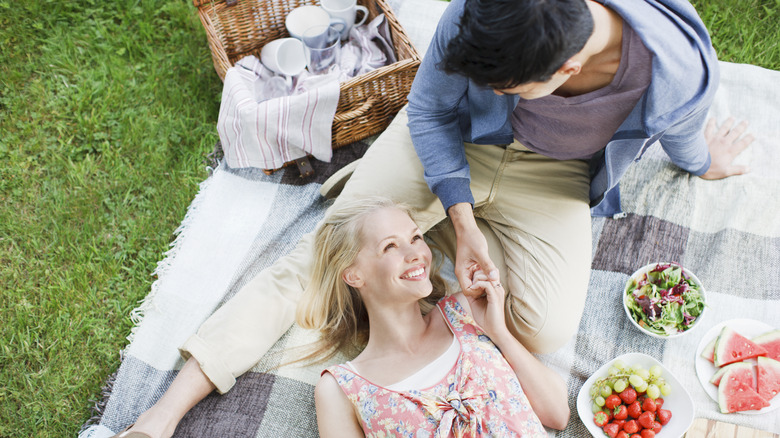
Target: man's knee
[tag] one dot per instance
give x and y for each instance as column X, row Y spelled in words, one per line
column 540, row 325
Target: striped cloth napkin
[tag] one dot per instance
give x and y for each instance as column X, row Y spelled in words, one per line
column 260, row 128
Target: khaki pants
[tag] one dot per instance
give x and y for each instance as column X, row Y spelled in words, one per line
column 534, row 213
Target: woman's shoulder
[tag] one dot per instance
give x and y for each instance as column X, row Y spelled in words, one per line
column 456, row 301
column 456, row 310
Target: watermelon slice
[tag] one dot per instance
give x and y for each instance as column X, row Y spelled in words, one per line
column 715, row 379
column 768, row 377
column 709, row 351
column 736, row 395
column 732, row 347
column 771, row 343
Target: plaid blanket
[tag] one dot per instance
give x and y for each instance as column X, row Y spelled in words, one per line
column 727, row 232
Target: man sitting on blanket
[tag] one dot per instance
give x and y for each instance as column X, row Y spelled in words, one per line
column 522, row 118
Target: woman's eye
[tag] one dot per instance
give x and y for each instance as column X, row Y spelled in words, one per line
column 389, row 245
column 417, row 237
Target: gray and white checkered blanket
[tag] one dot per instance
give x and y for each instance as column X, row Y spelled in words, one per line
column 727, row 232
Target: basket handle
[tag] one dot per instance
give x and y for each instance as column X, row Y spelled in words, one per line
column 357, row 112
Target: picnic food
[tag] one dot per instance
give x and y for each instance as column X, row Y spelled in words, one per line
column 736, row 391
column 748, row 378
column 664, row 300
column 768, row 377
column 629, row 398
column 770, row 341
column 732, row 347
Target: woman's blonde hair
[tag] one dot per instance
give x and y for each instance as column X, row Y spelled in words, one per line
column 329, row 304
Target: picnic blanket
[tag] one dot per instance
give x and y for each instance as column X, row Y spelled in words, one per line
column 727, row 232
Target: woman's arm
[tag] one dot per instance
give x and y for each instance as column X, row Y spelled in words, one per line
column 335, row 415
column 545, row 389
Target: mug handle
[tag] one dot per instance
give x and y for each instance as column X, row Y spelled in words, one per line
column 364, row 10
column 336, row 22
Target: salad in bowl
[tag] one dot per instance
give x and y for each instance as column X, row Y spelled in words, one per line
column 664, row 300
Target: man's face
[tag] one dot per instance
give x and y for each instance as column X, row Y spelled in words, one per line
column 535, row 90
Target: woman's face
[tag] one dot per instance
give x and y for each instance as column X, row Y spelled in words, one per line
column 394, row 260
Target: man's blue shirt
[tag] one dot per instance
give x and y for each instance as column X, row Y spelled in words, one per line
column 446, row 110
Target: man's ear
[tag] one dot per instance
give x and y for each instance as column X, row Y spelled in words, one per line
column 570, row 67
column 352, row 277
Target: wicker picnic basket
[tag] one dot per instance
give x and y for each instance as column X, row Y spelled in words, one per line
column 367, row 103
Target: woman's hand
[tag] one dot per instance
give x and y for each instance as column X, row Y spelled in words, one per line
column 486, row 299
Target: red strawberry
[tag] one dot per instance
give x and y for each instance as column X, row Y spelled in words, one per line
column 647, row 433
column 622, row 434
column 663, row 416
column 600, row 418
column 648, row 405
column 646, row 420
column 612, row 401
column 620, row 424
column 659, row 402
column 620, row 412
column 611, row 429
column 631, row 426
column 657, row 427
column 628, row 395
column 635, row 410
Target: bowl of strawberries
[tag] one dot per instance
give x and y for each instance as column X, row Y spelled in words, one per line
column 634, row 395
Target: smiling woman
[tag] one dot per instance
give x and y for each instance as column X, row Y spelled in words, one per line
column 107, row 110
column 372, row 291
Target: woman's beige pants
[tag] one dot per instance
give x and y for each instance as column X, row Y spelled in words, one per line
column 533, row 210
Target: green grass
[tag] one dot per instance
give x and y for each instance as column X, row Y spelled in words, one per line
column 744, row 31
column 107, row 112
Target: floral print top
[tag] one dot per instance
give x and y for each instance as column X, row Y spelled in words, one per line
column 480, row 396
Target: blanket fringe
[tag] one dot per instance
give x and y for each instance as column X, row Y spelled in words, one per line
column 163, row 266
column 99, row 406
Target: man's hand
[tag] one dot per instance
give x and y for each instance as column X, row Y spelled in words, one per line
column 725, row 144
column 472, row 250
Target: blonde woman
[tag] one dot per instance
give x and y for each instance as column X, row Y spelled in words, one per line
column 432, row 365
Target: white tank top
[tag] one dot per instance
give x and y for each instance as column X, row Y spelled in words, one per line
column 430, row 374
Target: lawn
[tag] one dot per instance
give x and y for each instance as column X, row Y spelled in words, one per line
column 107, row 115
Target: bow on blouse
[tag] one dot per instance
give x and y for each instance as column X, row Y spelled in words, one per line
column 460, row 414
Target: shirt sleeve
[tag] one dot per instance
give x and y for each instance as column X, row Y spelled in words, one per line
column 434, row 120
column 684, row 143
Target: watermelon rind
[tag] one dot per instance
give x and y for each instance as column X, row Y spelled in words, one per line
column 732, row 347
column 715, row 379
column 709, row 350
column 736, row 395
column 768, row 377
column 770, row 341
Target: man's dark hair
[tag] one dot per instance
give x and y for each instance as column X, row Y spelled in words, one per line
column 505, row 43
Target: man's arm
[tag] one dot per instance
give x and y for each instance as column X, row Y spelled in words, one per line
column 434, row 124
column 708, row 152
column 472, row 249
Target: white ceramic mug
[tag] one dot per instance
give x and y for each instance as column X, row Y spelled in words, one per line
column 345, row 10
column 304, row 17
column 284, row 56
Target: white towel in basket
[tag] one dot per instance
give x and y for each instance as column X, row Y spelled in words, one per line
column 260, row 127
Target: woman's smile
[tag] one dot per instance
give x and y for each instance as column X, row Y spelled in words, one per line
column 415, row 274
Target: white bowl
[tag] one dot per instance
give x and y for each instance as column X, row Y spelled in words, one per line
column 647, row 268
column 678, row 402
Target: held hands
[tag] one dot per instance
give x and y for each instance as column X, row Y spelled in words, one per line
column 472, row 250
column 725, row 144
column 487, row 304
